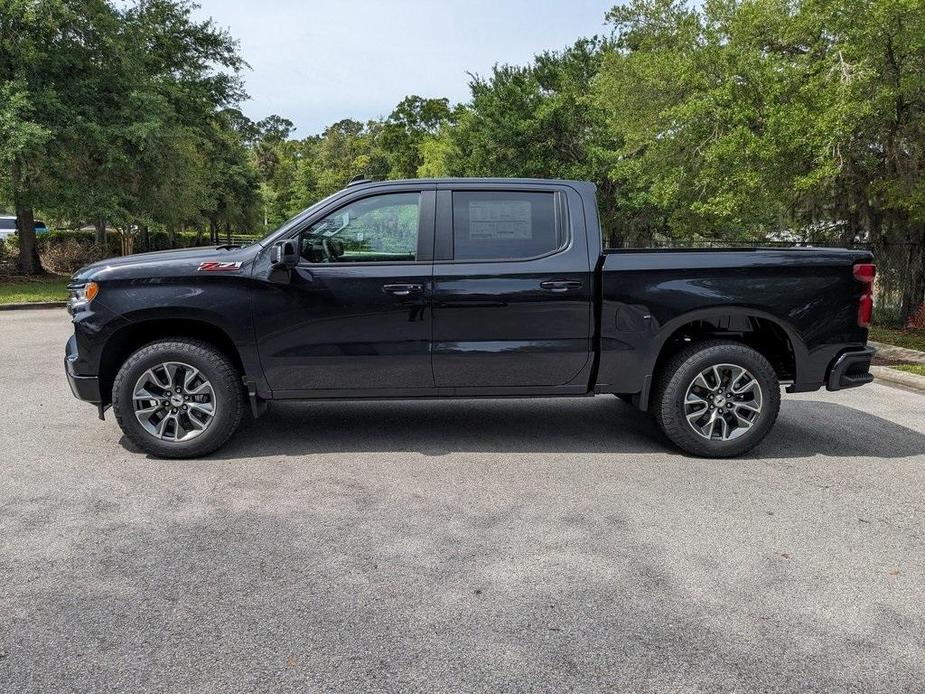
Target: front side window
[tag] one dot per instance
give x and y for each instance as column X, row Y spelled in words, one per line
column 504, row 225
column 383, row 228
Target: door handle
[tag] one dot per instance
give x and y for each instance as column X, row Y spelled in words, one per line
column 560, row 286
column 402, row 289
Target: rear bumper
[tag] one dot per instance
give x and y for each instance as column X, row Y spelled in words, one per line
column 850, row 369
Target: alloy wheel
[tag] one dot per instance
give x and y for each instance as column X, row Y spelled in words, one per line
column 174, row 401
column 723, row 402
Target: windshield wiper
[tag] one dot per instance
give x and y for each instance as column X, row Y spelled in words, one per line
column 229, row 246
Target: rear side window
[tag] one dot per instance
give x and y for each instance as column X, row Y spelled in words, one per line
column 504, row 225
column 7, row 223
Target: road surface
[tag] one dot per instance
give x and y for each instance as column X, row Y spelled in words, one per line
column 533, row 545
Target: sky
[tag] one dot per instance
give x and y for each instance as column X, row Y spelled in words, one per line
column 317, row 62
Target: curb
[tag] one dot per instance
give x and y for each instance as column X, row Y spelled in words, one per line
column 898, row 353
column 33, row 304
column 902, row 378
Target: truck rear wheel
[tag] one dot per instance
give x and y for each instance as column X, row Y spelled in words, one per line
column 716, row 399
column 178, row 398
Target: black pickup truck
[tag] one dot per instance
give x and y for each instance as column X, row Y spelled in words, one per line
column 463, row 288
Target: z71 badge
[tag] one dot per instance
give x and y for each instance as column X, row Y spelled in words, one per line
column 216, row 266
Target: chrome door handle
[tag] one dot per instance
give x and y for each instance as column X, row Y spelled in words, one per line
column 402, row 289
column 560, row 286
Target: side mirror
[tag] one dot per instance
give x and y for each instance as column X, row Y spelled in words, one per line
column 285, row 254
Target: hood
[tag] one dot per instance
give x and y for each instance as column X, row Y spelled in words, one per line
column 175, row 262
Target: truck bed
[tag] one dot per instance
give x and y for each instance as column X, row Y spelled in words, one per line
column 649, row 296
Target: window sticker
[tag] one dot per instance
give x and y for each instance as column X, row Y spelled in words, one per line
column 500, row 220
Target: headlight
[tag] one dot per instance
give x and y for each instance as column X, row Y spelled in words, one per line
column 82, row 294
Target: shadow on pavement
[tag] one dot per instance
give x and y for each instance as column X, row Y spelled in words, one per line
column 594, row 425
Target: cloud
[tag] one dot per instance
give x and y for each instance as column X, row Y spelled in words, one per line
column 318, row 62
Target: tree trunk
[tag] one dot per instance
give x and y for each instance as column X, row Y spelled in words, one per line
column 171, row 236
column 610, row 220
column 913, row 291
column 213, row 231
column 144, row 240
column 128, row 241
column 29, row 262
column 101, row 233
column 227, row 232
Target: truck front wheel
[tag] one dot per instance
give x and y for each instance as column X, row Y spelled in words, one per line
column 716, row 399
column 178, row 398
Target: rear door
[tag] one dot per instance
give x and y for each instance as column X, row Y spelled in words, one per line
column 512, row 288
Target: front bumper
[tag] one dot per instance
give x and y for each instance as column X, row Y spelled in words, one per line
column 83, row 387
column 851, row 369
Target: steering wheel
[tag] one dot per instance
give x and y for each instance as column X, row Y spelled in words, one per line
column 330, row 256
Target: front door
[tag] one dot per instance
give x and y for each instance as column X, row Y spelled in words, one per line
column 354, row 318
column 512, row 289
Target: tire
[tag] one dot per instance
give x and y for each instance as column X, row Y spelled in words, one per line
column 680, row 386
column 223, row 392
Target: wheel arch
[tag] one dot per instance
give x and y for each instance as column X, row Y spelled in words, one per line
column 772, row 337
column 151, row 328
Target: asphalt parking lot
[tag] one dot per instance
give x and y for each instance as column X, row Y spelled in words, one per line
column 554, row 545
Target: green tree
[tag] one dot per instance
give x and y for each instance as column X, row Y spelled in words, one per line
column 47, row 64
column 267, row 139
column 110, row 110
column 323, row 165
column 401, row 137
column 184, row 150
column 232, row 187
column 688, row 103
column 537, row 120
column 740, row 119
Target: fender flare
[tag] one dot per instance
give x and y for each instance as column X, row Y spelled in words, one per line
column 238, row 336
column 800, row 353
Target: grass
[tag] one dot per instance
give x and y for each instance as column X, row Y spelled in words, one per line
column 911, row 339
column 918, row 369
column 22, row 290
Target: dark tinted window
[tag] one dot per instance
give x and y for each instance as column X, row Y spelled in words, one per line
column 500, row 226
column 7, row 223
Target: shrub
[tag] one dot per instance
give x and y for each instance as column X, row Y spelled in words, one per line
column 67, row 255
column 8, row 251
column 68, row 251
column 88, row 238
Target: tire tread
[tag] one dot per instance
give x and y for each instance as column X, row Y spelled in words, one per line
column 210, row 440
column 671, row 379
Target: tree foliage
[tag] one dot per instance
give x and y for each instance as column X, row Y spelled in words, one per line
column 112, row 113
column 728, row 120
column 746, row 118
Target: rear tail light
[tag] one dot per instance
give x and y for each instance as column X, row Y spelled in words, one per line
column 865, row 310
column 865, row 272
